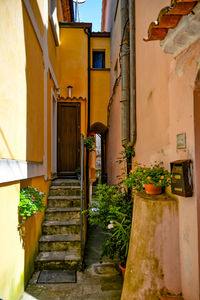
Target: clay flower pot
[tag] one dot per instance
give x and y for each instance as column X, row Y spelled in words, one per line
column 150, row 189
column 123, row 269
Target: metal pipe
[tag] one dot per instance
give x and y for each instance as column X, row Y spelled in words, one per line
column 82, row 183
column 124, row 61
column 132, row 73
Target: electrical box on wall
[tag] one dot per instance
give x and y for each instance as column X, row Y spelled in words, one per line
column 181, row 177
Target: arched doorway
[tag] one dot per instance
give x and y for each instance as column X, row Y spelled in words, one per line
column 101, row 130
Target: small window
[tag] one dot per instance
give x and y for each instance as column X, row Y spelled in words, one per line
column 98, row 59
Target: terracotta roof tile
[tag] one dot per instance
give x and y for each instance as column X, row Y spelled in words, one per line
column 169, row 17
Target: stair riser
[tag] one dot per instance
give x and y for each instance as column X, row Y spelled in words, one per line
column 64, row 192
column 59, row 265
column 62, row 216
column 71, row 229
column 60, row 246
column 65, row 183
column 58, row 203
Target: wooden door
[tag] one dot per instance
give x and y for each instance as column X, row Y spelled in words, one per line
column 68, row 137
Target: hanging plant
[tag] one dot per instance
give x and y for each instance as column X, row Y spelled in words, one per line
column 89, row 142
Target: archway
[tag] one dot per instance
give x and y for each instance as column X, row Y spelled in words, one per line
column 100, row 130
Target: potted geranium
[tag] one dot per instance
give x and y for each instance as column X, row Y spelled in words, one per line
column 31, row 202
column 152, row 178
column 89, row 141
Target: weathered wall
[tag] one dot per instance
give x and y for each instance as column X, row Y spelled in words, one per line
column 114, row 134
column 165, row 109
column 164, row 95
column 153, row 264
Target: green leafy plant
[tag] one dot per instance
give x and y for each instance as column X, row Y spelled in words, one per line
column 31, row 202
column 140, row 175
column 112, row 211
column 90, row 142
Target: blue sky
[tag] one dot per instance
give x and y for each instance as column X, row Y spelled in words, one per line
column 90, row 12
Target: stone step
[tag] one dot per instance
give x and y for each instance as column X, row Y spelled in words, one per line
column 61, row 227
column 59, row 190
column 56, row 214
column 48, row 243
column 65, row 182
column 63, row 201
column 58, row 260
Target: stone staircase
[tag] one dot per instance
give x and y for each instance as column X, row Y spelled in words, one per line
column 60, row 243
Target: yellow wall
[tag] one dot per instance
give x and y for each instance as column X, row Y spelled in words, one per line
column 101, row 43
column 73, row 62
column 22, row 92
column 11, row 251
column 13, row 81
column 18, row 247
column 38, row 10
column 100, row 93
column 35, row 94
column 100, row 83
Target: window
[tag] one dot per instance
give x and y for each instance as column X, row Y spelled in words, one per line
column 98, row 59
column 54, row 20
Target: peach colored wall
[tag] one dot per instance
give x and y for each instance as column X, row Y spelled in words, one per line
column 165, row 109
column 114, row 134
column 164, row 92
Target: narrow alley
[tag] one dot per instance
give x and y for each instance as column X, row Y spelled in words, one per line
column 99, row 281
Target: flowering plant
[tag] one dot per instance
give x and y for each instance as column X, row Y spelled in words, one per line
column 89, row 142
column 31, row 202
column 112, row 211
column 140, row 175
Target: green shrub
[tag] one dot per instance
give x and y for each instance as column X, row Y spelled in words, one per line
column 31, row 202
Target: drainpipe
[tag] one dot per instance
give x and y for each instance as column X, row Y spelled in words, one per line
column 124, row 60
column 132, row 73
column 87, row 31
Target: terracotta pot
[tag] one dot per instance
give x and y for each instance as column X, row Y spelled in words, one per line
column 152, row 190
column 122, row 269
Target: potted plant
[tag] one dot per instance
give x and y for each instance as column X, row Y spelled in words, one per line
column 89, row 142
column 152, row 178
column 31, row 202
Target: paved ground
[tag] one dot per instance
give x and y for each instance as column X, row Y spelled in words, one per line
column 97, row 282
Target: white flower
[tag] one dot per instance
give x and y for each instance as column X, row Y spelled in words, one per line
column 111, row 222
column 110, row 226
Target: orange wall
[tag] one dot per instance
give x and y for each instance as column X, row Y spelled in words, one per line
column 100, row 83
column 73, row 62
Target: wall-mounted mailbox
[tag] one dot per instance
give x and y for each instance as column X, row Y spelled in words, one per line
column 181, row 177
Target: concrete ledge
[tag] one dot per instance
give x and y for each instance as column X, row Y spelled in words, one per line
column 13, row 170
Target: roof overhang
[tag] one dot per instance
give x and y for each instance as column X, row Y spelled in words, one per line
column 169, row 18
column 177, row 26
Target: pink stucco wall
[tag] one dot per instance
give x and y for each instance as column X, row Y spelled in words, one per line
column 165, row 100
column 165, row 108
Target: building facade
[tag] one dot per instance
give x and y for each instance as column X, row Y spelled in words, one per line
column 164, row 55
column 52, row 72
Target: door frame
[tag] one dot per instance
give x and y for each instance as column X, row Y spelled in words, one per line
column 78, row 105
